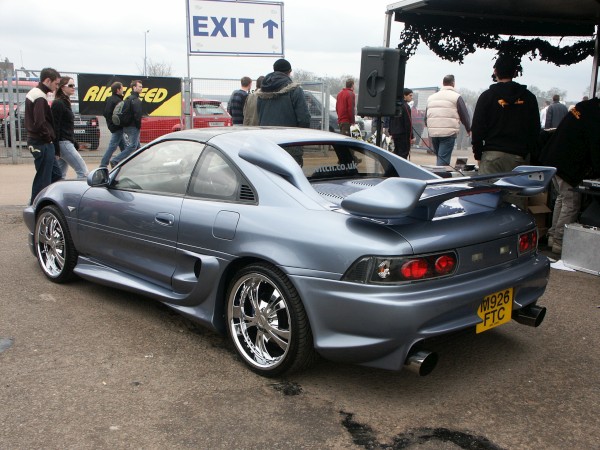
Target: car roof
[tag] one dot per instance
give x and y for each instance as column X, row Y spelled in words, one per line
column 277, row 135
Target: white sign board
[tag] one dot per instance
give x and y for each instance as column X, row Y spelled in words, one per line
column 241, row 28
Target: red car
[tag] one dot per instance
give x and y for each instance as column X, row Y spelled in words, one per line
column 206, row 113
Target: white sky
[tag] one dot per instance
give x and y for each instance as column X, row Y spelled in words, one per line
column 321, row 36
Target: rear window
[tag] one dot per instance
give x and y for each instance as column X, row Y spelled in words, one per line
column 339, row 160
column 208, row 109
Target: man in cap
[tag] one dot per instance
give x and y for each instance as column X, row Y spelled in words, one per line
column 281, row 102
column 506, row 123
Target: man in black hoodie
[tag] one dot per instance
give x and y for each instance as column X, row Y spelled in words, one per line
column 506, row 121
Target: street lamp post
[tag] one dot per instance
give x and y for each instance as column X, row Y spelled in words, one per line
column 145, row 53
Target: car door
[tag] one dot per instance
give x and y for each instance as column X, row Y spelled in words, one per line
column 132, row 225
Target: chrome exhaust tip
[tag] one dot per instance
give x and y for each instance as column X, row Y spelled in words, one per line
column 531, row 315
column 421, row 362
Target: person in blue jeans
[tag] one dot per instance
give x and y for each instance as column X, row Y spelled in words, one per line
column 445, row 111
column 40, row 131
column 116, row 139
column 64, row 127
column 132, row 123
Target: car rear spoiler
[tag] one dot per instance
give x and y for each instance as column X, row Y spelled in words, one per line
column 399, row 197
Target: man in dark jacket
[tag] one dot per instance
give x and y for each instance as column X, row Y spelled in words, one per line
column 132, row 110
column 281, row 102
column 574, row 149
column 400, row 127
column 40, row 131
column 555, row 112
column 116, row 139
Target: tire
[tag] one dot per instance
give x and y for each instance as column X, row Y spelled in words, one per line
column 278, row 339
column 54, row 247
column 95, row 144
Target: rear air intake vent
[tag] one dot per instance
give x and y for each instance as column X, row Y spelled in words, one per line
column 247, row 194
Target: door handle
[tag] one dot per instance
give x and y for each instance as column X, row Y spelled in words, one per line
column 165, row 219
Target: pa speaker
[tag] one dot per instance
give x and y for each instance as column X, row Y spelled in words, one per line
column 381, row 82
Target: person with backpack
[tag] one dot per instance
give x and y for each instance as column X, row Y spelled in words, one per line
column 116, row 140
column 130, row 118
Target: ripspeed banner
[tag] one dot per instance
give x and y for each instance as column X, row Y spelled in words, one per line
column 161, row 96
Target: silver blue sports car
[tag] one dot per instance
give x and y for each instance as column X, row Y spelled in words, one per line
column 298, row 243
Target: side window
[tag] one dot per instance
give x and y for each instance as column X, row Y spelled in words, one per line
column 164, row 168
column 215, row 178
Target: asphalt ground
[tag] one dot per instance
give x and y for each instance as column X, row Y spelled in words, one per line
column 84, row 366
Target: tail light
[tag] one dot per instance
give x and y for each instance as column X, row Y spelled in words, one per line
column 378, row 270
column 528, row 242
column 94, row 122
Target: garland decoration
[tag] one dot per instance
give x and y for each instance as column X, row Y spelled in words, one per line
column 454, row 45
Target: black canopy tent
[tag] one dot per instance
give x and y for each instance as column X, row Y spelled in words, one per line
column 468, row 18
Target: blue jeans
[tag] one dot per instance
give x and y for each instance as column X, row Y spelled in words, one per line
column 46, row 167
column 116, row 140
column 131, row 136
column 443, row 146
column 69, row 156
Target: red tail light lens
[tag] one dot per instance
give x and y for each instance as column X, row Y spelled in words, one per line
column 445, row 264
column 415, row 269
column 528, row 242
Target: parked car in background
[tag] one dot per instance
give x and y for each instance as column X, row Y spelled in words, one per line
column 298, row 242
column 86, row 127
column 206, row 113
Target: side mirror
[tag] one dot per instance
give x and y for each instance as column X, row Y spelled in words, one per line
column 98, row 177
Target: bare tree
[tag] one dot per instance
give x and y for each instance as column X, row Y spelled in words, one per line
column 157, row 69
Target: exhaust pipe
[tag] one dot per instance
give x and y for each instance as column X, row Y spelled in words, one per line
column 421, row 362
column 531, row 315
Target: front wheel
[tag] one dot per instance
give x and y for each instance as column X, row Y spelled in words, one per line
column 54, row 247
column 267, row 322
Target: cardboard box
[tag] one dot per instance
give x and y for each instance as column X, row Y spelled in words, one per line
column 541, row 214
column 581, row 247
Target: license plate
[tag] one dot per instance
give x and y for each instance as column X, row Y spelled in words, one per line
column 80, row 123
column 215, row 124
column 495, row 309
column 79, row 131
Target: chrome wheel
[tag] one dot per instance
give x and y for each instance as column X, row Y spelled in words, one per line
column 54, row 249
column 260, row 321
column 267, row 322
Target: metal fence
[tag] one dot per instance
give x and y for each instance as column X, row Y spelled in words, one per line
column 93, row 134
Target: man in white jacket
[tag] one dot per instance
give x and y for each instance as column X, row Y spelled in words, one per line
column 446, row 110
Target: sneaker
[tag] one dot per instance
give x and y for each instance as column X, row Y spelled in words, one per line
column 557, row 248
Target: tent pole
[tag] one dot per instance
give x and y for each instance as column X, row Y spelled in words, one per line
column 594, row 80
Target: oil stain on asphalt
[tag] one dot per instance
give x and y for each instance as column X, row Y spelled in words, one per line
column 364, row 436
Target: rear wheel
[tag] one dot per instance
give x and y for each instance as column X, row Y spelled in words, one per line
column 267, row 322
column 54, row 247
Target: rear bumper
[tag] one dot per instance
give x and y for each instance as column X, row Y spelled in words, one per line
column 378, row 325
